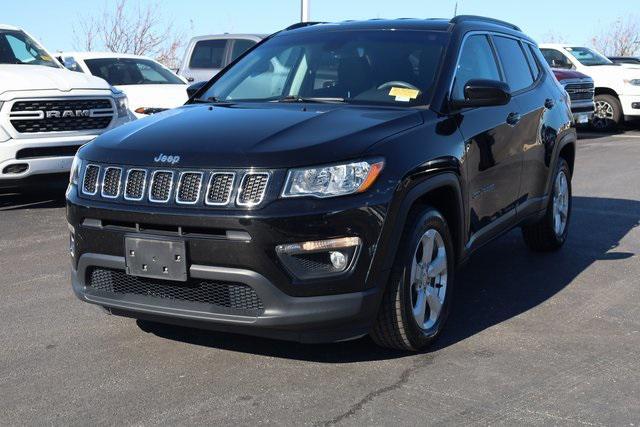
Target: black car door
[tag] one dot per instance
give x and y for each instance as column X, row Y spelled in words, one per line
column 493, row 152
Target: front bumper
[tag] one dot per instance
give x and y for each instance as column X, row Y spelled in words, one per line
column 314, row 310
column 630, row 105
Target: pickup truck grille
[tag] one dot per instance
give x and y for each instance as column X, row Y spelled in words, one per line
column 38, row 116
column 580, row 91
column 184, row 188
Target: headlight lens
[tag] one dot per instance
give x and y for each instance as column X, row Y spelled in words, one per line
column 122, row 102
column 634, row 82
column 331, row 181
column 75, row 170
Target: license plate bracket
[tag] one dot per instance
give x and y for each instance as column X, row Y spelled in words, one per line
column 156, row 258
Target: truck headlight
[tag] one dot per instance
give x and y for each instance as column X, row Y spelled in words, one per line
column 633, row 82
column 122, row 102
column 331, row 181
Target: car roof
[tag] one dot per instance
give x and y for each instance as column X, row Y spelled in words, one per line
column 9, row 27
column 461, row 23
column 98, row 55
column 256, row 37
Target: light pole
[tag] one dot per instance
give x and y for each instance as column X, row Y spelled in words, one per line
column 304, row 11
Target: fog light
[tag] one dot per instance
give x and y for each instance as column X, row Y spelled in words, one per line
column 338, row 259
column 316, row 259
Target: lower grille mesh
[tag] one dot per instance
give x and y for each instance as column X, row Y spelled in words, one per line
column 222, row 294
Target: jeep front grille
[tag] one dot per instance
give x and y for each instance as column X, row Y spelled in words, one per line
column 228, row 295
column 252, row 189
column 185, row 188
column 136, row 184
column 220, row 188
column 37, row 116
column 189, row 188
column 161, row 186
column 90, row 181
column 111, row 182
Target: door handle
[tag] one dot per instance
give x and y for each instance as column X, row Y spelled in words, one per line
column 513, row 119
column 549, row 103
column 190, row 79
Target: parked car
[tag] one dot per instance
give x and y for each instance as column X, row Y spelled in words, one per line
column 332, row 200
column 149, row 85
column 617, row 92
column 629, row 60
column 581, row 90
column 205, row 56
column 46, row 111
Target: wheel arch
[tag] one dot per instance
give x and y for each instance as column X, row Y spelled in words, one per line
column 600, row 90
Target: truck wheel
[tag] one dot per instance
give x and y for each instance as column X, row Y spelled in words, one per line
column 608, row 114
column 551, row 231
column 418, row 296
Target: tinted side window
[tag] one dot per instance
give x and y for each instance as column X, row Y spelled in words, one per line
column 556, row 59
column 240, row 46
column 533, row 64
column 208, row 54
column 514, row 62
column 476, row 62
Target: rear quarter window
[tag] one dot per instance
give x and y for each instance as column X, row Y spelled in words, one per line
column 208, row 54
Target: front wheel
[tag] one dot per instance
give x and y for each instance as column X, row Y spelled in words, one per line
column 608, row 114
column 418, row 297
column 550, row 232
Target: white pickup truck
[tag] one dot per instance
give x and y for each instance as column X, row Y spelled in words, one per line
column 617, row 88
column 46, row 111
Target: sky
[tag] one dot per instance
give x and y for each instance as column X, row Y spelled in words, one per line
column 574, row 21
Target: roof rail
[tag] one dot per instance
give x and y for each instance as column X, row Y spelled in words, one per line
column 302, row 25
column 464, row 18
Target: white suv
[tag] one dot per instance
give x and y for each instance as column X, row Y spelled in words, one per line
column 46, row 111
column 617, row 88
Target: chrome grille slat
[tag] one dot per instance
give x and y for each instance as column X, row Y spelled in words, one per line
column 189, row 188
column 161, row 186
column 90, row 180
column 135, row 184
column 220, row 188
column 252, row 189
column 111, row 182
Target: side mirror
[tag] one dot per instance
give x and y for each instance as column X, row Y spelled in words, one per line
column 483, row 93
column 194, row 88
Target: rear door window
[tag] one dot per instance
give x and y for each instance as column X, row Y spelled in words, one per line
column 208, row 54
column 239, row 47
column 477, row 61
column 514, row 62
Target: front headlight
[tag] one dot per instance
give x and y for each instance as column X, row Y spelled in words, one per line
column 122, row 102
column 75, row 170
column 633, row 82
column 333, row 180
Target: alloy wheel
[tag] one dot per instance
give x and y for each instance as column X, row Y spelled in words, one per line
column 603, row 115
column 428, row 279
column 560, row 203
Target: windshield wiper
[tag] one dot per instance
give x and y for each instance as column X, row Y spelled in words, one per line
column 209, row 100
column 296, row 98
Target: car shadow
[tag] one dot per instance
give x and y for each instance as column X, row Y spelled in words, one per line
column 47, row 197
column 502, row 280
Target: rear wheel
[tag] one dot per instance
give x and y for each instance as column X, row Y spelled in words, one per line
column 608, row 114
column 551, row 231
column 418, row 297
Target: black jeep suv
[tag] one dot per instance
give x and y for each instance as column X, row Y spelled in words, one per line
column 328, row 183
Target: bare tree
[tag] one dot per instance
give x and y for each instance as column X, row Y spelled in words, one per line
column 131, row 28
column 622, row 38
column 553, row 36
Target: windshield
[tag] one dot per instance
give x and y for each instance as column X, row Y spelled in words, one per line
column 18, row 48
column 131, row 71
column 374, row 67
column 588, row 56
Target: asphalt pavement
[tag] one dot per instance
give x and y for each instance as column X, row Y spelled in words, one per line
column 533, row 339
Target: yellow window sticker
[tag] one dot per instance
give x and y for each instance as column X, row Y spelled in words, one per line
column 404, row 94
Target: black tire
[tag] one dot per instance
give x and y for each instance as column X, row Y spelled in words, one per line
column 395, row 326
column 541, row 236
column 608, row 124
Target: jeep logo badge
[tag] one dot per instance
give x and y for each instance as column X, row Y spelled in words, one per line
column 163, row 158
column 55, row 114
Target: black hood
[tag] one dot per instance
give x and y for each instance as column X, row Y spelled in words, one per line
column 251, row 135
